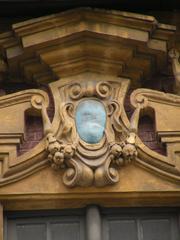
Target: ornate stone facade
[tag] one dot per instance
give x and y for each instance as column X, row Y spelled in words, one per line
column 88, row 56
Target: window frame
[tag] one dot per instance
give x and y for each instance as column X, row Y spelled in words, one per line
column 104, row 213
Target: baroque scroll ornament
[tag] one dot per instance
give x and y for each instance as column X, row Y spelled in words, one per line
column 92, row 144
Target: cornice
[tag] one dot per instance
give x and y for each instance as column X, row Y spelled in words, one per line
column 127, row 44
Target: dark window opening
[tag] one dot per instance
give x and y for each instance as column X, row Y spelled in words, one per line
column 147, row 132
column 33, row 133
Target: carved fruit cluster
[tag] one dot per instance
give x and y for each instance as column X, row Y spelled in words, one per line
column 59, row 153
column 124, row 152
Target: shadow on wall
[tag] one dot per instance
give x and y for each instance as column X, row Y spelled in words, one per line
column 148, row 136
column 34, row 126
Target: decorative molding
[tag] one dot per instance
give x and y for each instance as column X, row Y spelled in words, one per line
column 166, row 109
column 12, row 109
column 109, row 42
column 75, row 47
column 80, row 162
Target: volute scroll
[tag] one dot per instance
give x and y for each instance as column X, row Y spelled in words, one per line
column 166, row 109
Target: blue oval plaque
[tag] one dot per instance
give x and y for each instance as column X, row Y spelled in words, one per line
column 90, row 120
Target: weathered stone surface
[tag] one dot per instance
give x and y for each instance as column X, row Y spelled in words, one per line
column 87, row 50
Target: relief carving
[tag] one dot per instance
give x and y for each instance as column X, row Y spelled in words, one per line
column 87, row 157
column 95, row 154
column 86, row 59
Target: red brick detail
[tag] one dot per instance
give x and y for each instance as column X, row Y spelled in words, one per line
column 34, row 127
column 33, row 133
column 147, row 134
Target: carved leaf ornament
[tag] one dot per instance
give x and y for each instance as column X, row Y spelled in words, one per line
column 90, row 138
